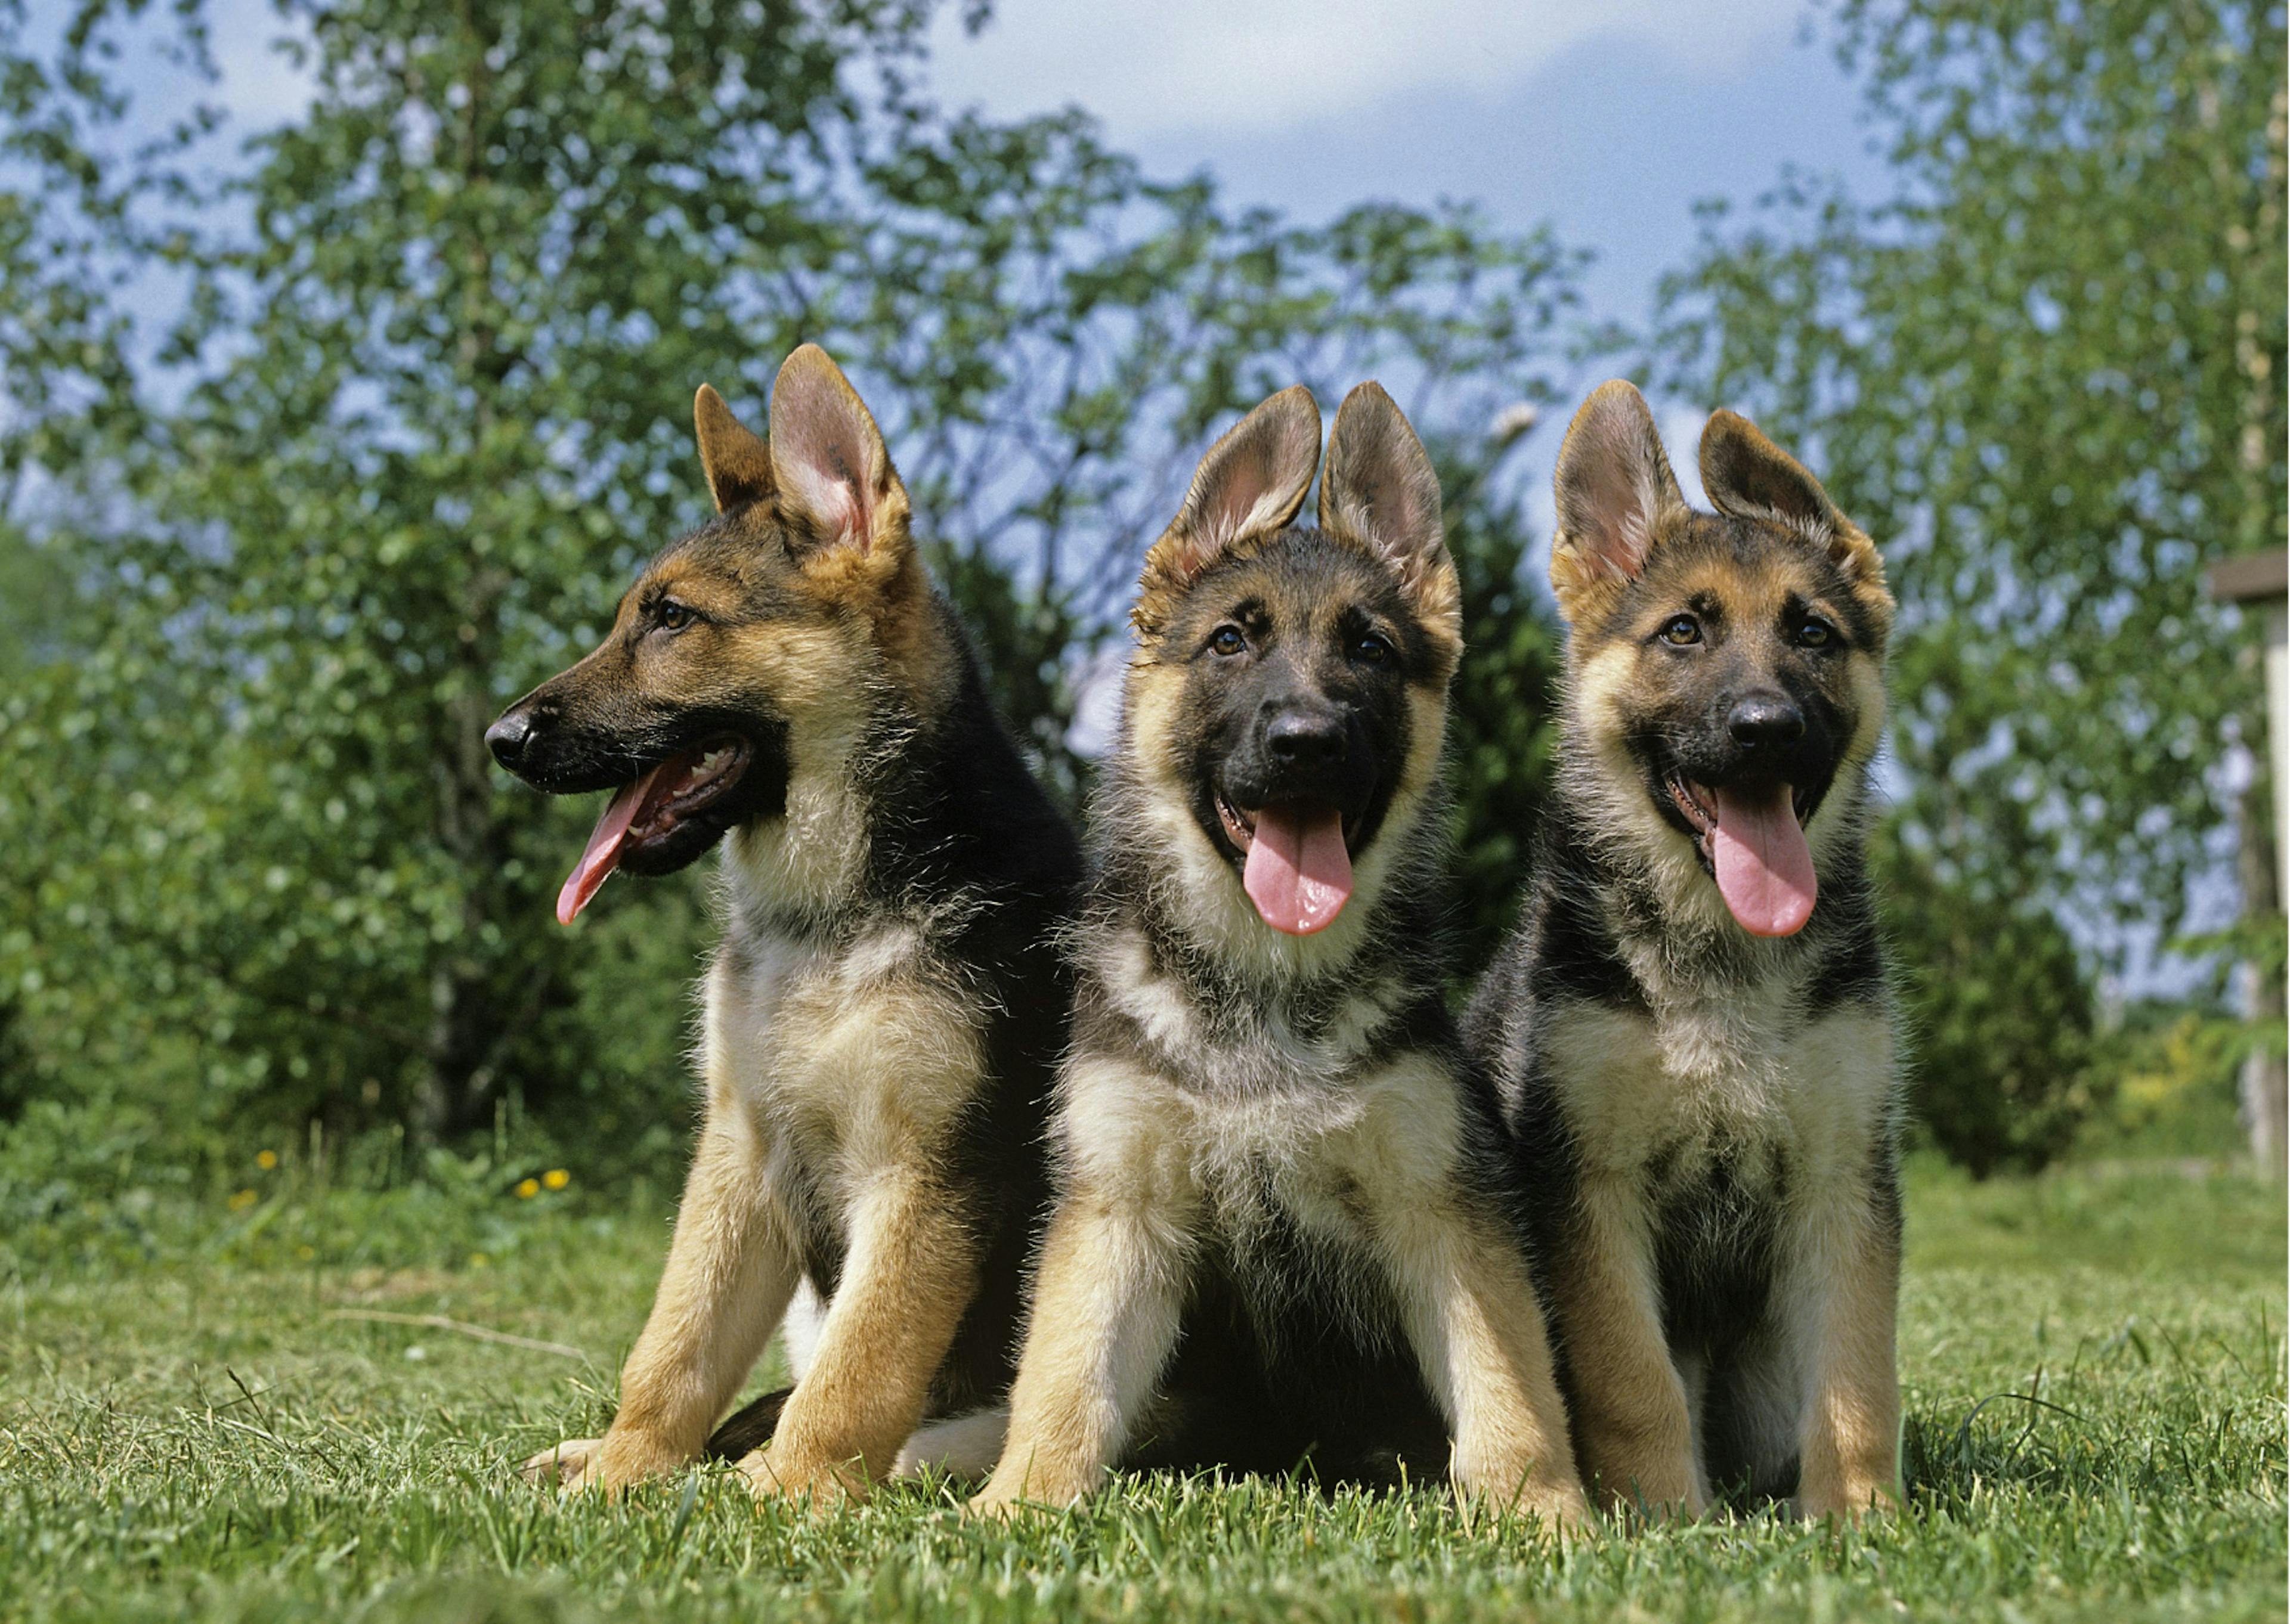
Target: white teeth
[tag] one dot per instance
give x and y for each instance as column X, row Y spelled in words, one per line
column 707, row 767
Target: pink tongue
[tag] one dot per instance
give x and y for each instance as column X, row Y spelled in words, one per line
column 1298, row 873
column 603, row 854
column 1765, row 868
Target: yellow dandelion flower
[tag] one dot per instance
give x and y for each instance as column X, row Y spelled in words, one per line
column 243, row 1200
column 478, row 1259
column 306, row 1252
column 527, row 1189
column 556, row 1178
column 266, row 1159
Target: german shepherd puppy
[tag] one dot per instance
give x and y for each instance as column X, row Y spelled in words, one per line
column 883, row 1015
column 1691, row 1024
column 1283, row 1226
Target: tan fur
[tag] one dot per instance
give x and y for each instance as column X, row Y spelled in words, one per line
column 1106, row 1301
column 1702, row 1077
column 862, row 1058
column 1152, row 1159
column 1632, row 1411
column 730, row 1268
column 1732, row 444
column 874, row 1065
column 911, row 1273
column 1852, row 1444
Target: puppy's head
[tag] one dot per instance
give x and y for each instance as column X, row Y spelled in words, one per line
column 761, row 643
column 1725, row 668
column 1288, row 695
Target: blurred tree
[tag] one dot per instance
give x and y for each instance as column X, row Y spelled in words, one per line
column 423, row 405
column 1998, row 1040
column 1502, row 729
column 2048, row 375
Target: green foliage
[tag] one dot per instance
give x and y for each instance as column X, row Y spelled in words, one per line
column 1502, row 726
column 2000, row 1021
column 416, row 405
column 2092, row 1372
column 2048, row 377
column 2169, row 1073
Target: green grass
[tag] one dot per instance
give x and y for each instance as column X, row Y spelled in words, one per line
column 190, row 1427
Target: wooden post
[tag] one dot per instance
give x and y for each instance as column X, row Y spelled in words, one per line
column 2258, row 581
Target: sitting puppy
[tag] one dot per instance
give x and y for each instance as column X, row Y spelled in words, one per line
column 1284, row 1226
column 884, row 1016
column 1691, row 1023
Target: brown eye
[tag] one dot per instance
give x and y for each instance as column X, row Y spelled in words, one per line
column 673, row 616
column 1815, row 634
column 1226, row 640
column 1681, row 631
column 1371, row 649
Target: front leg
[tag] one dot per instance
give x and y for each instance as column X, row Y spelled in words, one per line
column 912, row 1275
column 1110, row 1288
column 1846, row 1292
column 730, row 1268
column 1632, row 1421
column 1105, row 1314
column 1478, row 1331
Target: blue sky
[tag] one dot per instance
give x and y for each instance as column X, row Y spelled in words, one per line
column 1606, row 120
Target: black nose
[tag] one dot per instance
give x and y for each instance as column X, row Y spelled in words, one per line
column 1764, row 722
column 1305, row 738
column 508, row 737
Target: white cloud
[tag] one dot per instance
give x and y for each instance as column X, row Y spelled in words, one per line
column 1258, row 65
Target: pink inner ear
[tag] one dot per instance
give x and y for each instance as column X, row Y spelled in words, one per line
column 1616, row 518
column 824, row 480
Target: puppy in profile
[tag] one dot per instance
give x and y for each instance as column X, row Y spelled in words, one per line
column 1284, row 1226
column 1691, row 1023
column 883, row 1015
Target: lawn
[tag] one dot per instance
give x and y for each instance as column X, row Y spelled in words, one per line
column 200, row 1417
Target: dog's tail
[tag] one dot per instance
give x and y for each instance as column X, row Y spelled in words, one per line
column 747, row 1429
column 963, row 1446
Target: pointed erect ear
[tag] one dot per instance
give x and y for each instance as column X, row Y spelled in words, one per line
column 1614, row 486
column 1381, row 490
column 739, row 469
column 836, row 483
column 1250, row 483
column 1749, row 478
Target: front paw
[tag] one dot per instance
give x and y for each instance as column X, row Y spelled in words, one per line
column 1557, row 1500
column 1009, row 1492
column 564, row 1467
column 1655, row 1485
column 612, row 1462
column 1849, row 1499
column 1561, row 1505
column 775, row 1474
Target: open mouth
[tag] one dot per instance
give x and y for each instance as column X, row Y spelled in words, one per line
column 1296, row 863
column 1752, row 836
column 648, row 811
